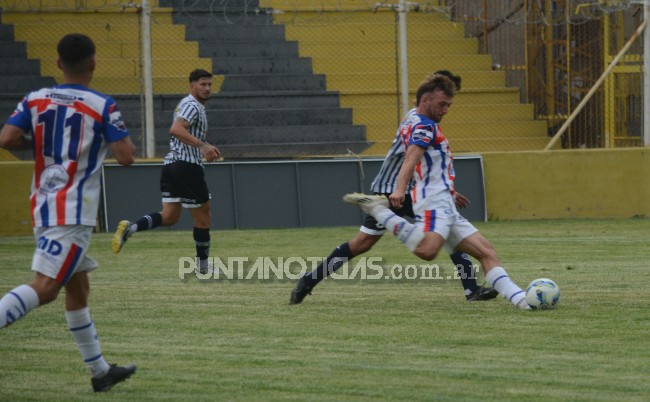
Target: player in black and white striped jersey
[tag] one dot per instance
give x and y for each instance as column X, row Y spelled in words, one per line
column 182, row 181
column 371, row 231
column 189, row 110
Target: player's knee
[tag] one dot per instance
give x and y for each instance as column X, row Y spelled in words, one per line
column 169, row 218
column 46, row 288
column 426, row 254
column 46, row 294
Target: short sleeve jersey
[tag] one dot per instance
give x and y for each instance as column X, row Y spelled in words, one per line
column 72, row 127
column 434, row 173
column 192, row 111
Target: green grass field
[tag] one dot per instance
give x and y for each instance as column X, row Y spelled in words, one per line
column 351, row 340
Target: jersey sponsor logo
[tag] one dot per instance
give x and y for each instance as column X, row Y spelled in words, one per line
column 64, row 99
column 53, row 178
column 421, row 134
column 119, row 124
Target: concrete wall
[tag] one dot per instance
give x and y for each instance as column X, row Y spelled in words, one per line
column 272, row 194
column 524, row 185
column 568, row 184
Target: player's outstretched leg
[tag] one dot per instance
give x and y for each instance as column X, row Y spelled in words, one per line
column 126, row 229
column 378, row 206
column 499, row 279
column 122, row 234
column 16, row 304
column 368, row 203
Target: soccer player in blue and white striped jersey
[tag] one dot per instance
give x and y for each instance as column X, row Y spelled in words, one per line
column 182, row 181
column 73, row 128
column 371, row 231
column 438, row 224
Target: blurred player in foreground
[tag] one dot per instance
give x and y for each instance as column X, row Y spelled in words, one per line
column 73, row 127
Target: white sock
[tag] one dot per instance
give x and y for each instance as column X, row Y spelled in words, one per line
column 16, row 304
column 133, row 228
column 498, row 278
column 406, row 232
column 83, row 331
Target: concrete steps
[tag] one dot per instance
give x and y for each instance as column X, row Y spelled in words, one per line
column 116, row 35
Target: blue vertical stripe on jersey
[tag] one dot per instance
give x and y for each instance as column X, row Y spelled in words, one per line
column 45, row 213
column 48, row 140
column 93, row 156
column 74, row 122
column 427, row 176
column 59, row 133
column 443, row 165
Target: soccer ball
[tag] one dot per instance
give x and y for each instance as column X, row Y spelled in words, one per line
column 542, row 294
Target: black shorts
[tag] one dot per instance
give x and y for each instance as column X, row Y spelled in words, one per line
column 372, row 227
column 184, row 182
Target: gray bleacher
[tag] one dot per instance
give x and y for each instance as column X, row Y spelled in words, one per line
column 270, row 105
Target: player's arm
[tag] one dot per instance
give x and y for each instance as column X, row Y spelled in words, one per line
column 13, row 137
column 461, row 201
column 414, row 154
column 123, row 151
column 180, row 130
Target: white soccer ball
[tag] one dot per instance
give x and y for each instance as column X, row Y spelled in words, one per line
column 542, row 294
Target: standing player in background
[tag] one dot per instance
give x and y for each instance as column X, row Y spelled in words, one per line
column 182, row 181
column 428, row 159
column 371, row 231
column 73, row 127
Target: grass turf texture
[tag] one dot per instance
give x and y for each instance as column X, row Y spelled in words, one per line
column 351, row 340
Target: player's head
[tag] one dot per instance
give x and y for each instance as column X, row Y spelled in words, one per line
column 201, row 84
column 198, row 74
column 434, row 96
column 76, row 54
column 454, row 78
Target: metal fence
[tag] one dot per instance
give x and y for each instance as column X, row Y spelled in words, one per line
column 300, row 78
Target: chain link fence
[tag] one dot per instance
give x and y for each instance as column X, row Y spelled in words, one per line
column 296, row 78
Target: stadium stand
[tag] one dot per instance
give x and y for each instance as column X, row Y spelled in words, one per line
column 287, row 84
column 356, row 51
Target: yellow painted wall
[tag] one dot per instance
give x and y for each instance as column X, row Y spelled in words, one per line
column 568, row 184
column 15, row 182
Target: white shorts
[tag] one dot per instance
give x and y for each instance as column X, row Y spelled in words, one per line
column 441, row 216
column 61, row 251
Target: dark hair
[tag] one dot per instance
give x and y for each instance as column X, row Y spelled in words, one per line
column 435, row 82
column 198, row 74
column 454, row 78
column 75, row 50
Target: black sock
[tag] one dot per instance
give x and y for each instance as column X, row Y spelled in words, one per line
column 153, row 220
column 202, row 241
column 465, row 270
column 334, row 261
